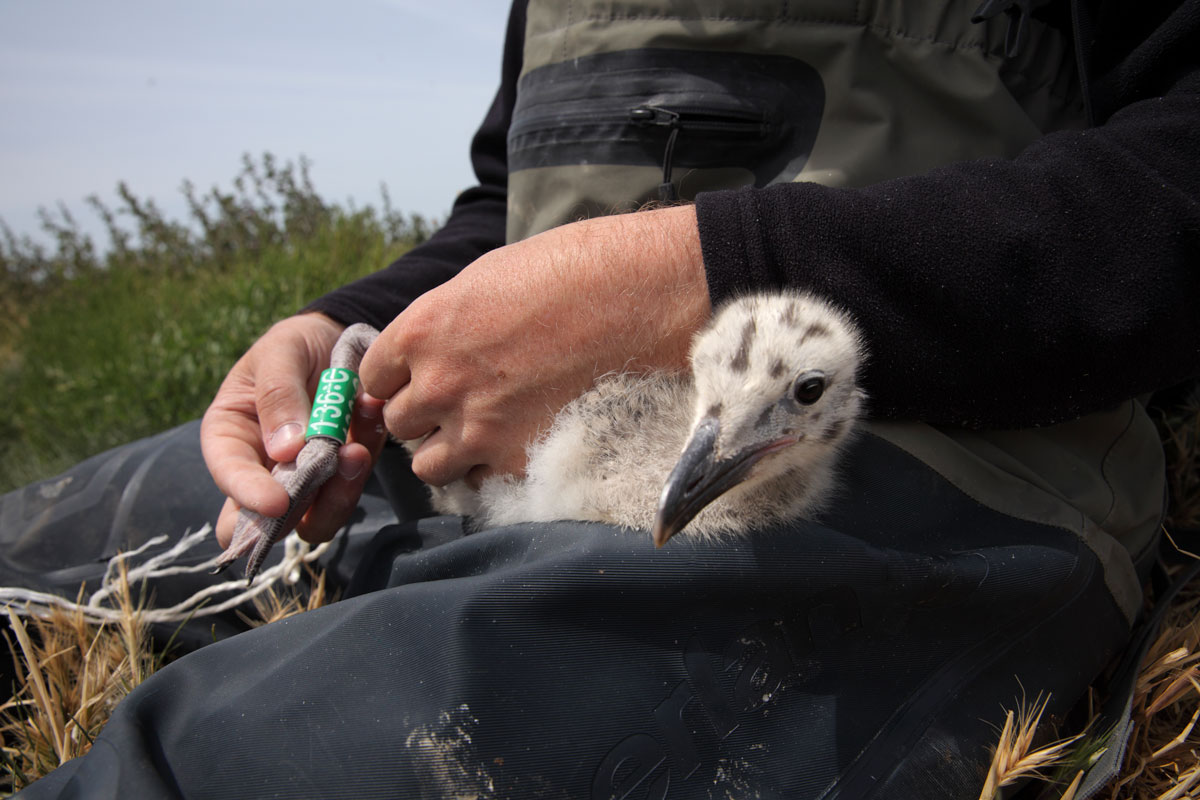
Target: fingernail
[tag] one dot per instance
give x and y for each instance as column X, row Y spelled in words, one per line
column 350, row 471
column 286, row 435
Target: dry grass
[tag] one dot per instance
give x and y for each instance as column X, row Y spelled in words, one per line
column 1162, row 759
column 276, row 604
column 71, row 673
column 1015, row 758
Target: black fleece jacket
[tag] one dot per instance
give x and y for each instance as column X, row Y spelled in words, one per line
column 993, row 293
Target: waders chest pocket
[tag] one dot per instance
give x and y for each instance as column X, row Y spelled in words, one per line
column 670, row 109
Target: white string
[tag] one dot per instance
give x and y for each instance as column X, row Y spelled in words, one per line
column 296, row 552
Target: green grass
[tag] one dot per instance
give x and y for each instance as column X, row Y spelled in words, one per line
column 97, row 350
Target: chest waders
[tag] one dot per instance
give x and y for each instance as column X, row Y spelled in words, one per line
column 869, row 654
column 624, row 104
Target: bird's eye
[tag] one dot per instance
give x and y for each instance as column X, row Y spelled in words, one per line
column 808, row 389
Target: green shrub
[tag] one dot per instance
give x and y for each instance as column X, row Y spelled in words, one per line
column 101, row 348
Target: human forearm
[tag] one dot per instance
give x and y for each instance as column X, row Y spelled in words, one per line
column 484, row 362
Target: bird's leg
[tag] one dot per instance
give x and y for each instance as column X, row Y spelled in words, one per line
column 317, row 461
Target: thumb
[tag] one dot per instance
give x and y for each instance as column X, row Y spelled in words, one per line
column 284, row 373
column 281, row 397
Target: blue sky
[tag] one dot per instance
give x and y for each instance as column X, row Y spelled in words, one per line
column 155, row 91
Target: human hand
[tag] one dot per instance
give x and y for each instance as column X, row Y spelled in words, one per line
column 259, row 416
column 484, row 362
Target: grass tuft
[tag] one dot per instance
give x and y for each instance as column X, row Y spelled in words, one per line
column 276, row 604
column 1016, row 759
column 71, row 673
column 1162, row 761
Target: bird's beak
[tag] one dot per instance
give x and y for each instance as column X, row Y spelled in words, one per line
column 700, row 477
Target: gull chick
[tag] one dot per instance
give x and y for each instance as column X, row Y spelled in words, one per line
column 749, row 438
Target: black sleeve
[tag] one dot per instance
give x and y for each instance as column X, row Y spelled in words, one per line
column 1003, row 293
column 475, row 226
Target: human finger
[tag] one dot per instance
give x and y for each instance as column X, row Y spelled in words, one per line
column 226, row 521
column 236, row 457
column 411, row 413
column 282, row 401
column 443, row 458
column 338, row 497
column 385, row 369
column 367, row 426
column 257, row 416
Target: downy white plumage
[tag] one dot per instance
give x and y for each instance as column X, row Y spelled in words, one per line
column 749, row 438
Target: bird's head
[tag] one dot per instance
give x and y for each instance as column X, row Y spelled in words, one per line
column 776, row 389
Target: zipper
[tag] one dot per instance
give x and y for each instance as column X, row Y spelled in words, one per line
column 708, row 120
column 678, row 120
column 702, row 121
